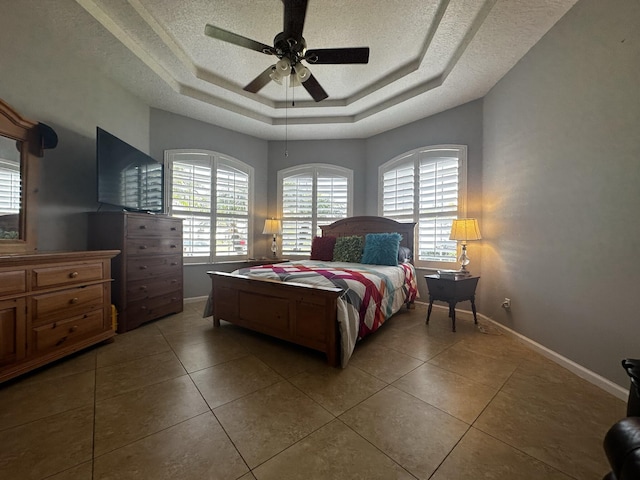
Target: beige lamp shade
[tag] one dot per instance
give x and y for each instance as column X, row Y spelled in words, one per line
column 465, row 229
column 272, row 226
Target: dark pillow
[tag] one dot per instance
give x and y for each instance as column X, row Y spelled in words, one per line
column 322, row 248
column 404, row 254
column 348, row 249
column 381, row 248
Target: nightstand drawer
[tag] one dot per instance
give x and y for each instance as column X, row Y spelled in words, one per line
column 66, row 275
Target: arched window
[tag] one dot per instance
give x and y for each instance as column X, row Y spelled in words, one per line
column 309, row 196
column 428, row 186
column 213, row 193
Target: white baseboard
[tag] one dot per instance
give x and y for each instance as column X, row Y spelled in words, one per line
column 195, row 299
column 592, row 377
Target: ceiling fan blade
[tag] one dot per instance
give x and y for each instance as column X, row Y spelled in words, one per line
column 312, row 86
column 230, row 37
column 294, row 13
column 338, row 55
column 260, row 81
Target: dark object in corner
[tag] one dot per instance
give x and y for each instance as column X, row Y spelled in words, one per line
column 633, row 370
column 48, row 136
column 622, row 441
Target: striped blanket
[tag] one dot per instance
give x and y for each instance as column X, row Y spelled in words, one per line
column 370, row 293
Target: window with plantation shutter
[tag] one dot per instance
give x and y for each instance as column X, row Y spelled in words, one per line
column 427, row 186
column 310, row 196
column 212, row 193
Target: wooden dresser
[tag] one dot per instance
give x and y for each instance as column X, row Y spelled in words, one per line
column 148, row 275
column 51, row 305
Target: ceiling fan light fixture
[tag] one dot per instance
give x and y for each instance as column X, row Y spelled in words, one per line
column 302, row 73
column 283, row 66
column 294, row 81
column 276, row 76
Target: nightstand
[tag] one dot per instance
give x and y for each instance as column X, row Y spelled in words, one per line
column 452, row 290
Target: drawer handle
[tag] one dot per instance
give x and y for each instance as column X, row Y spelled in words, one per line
column 74, row 300
column 143, row 267
column 174, row 246
column 143, row 227
column 73, row 274
column 173, row 229
column 61, row 341
column 173, row 280
column 143, row 247
column 143, row 307
column 174, row 263
column 143, row 288
column 73, row 329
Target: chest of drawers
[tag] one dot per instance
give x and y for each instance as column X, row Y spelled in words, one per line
column 51, row 305
column 148, row 276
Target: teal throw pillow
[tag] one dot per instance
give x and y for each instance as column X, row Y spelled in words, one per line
column 348, row 249
column 381, row 248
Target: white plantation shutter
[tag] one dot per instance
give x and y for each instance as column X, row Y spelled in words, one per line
column 212, row 194
column 232, row 211
column 297, row 213
column 397, row 192
column 427, row 186
column 10, row 187
column 333, row 192
column 191, row 200
column 310, row 196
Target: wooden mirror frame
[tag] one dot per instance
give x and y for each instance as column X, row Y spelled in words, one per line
column 18, row 128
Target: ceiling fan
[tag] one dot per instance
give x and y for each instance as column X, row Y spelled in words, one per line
column 291, row 49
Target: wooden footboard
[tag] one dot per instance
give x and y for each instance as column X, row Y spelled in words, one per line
column 301, row 314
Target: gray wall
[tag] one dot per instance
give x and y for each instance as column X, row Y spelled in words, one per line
column 170, row 131
column 55, row 86
column 561, row 187
column 462, row 126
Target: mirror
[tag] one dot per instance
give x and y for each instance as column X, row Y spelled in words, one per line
column 21, row 142
column 10, row 189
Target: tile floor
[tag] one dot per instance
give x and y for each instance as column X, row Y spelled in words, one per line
column 177, row 399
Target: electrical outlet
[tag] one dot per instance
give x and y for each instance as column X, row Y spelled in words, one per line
column 506, row 304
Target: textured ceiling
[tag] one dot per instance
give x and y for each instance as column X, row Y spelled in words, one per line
column 426, row 56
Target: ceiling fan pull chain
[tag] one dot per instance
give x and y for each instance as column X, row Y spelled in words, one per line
column 286, row 118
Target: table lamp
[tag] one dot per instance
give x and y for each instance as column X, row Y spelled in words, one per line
column 273, row 227
column 464, row 229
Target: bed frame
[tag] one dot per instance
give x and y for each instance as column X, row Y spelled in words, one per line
column 301, row 314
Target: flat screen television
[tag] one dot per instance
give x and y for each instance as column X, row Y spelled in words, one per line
column 127, row 177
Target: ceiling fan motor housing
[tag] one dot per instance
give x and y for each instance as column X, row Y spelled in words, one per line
column 289, row 48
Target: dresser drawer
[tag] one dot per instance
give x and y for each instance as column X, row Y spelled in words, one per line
column 150, row 309
column 153, row 246
column 142, row 267
column 14, row 281
column 46, row 277
column 64, row 332
column 154, row 226
column 153, row 287
column 66, row 302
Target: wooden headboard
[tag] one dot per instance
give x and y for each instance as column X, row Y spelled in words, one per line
column 369, row 224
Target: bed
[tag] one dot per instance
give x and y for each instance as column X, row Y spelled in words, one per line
column 319, row 304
